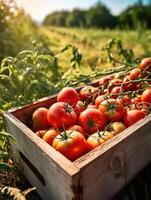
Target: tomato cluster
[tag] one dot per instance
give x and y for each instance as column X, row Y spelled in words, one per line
column 81, row 120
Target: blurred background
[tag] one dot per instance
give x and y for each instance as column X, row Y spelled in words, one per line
column 46, row 45
column 85, row 24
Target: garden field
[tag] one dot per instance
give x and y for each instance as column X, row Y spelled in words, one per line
column 91, row 42
column 38, row 61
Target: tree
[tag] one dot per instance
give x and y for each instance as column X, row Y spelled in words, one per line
column 56, row 18
column 99, row 16
column 149, row 2
column 135, row 16
column 140, row 2
column 76, row 18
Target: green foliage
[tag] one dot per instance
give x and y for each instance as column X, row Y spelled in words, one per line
column 36, row 72
column 56, row 18
column 76, row 18
column 97, row 16
column 76, row 55
column 17, row 29
column 4, row 150
column 136, row 17
column 7, row 167
column 125, row 56
column 26, row 77
column 6, row 12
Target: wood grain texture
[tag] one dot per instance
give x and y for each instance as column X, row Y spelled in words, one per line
column 24, row 113
column 108, row 168
column 59, row 173
column 97, row 175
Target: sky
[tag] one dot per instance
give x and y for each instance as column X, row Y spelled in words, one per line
column 38, row 9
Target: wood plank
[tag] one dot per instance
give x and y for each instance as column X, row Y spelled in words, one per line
column 89, row 157
column 109, row 167
column 24, row 113
column 56, row 170
column 97, row 175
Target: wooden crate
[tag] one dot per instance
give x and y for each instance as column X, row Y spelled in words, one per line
column 98, row 175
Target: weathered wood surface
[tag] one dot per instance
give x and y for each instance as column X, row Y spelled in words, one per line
column 24, row 113
column 58, row 173
column 97, row 175
column 108, row 168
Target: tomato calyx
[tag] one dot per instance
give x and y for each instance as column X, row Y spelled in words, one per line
column 65, row 136
column 91, row 123
column 111, row 107
column 100, row 133
column 109, row 127
column 104, row 135
column 68, row 108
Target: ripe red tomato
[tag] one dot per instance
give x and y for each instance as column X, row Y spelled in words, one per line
column 77, row 128
column 127, row 84
column 61, row 115
column 89, row 93
column 105, row 92
column 97, row 139
column 135, row 73
column 99, row 99
column 113, row 83
column 91, row 106
column 39, row 119
column 146, row 96
column 136, row 99
column 50, row 135
column 116, row 91
column 146, row 64
column 138, row 86
column 92, row 120
column 145, row 109
column 113, row 110
column 41, row 133
column 79, row 107
column 68, row 95
column 71, row 144
column 132, row 116
column 136, row 102
column 124, row 100
column 105, row 80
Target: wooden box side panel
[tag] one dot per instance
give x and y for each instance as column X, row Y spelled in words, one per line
column 24, row 113
column 116, row 162
column 59, row 175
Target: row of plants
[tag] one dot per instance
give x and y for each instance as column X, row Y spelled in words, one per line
column 100, row 16
column 36, row 73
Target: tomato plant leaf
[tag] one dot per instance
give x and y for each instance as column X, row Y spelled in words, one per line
column 6, row 135
column 7, row 167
